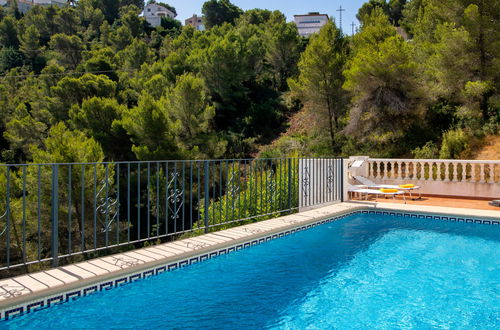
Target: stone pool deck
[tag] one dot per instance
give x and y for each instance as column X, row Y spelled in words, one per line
column 36, row 290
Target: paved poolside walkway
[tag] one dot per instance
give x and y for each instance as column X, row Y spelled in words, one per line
column 19, row 291
column 446, row 201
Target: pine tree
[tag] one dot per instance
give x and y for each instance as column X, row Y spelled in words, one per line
column 319, row 84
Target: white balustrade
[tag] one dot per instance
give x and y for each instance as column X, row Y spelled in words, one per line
column 479, row 178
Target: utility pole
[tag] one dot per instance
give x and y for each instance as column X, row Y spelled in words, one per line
column 352, row 27
column 340, row 16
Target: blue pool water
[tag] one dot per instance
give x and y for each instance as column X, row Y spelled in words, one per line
column 360, row 272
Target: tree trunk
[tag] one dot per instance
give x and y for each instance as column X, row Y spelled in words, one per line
column 330, row 121
column 482, row 57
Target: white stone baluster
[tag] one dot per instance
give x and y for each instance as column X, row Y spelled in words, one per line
column 446, row 172
column 492, row 173
column 422, row 171
column 455, row 172
column 464, row 172
column 385, row 170
column 431, row 171
column 473, row 173
column 482, row 174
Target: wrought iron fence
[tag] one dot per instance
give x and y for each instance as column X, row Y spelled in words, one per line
column 52, row 213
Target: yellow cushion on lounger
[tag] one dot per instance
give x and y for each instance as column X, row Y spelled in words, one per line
column 389, row 190
column 406, row 186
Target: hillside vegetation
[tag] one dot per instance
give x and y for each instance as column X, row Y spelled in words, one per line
column 489, row 150
column 92, row 82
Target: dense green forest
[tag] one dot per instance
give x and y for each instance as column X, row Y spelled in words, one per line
column 92, row 82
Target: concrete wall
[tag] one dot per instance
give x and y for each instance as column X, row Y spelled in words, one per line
column 463, row 189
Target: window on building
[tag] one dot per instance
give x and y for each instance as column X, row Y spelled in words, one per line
column 310, row 22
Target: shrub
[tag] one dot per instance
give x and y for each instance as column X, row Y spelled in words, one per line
column 454, row 142
column 428, row 151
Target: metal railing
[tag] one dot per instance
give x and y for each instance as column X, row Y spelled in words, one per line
column 63, row 213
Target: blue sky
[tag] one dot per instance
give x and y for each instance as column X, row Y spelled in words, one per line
column 186, row 8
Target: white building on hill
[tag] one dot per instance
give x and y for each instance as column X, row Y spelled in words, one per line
column 310, row 23
column 50, row 2
column 24, row 5
column 196, row 22
column 154, row 12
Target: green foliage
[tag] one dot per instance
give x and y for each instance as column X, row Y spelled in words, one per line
column 129, row 17
column 192, row 119
column 428, row 151
column 97, row 116
column 67, row 49
column 70, row 91
column 27, row 128
column 61, row 146
column 396, row 11
column 10, row 58
column 454, row 142
column 393, row 9
column 148, row 128
column 382, row 77
column 258, row 191
column 110, row 9
column 68, row 21
column 134, row 55
column 368, row 7
column 171, row 24
column 319, row 85
column 66, row 146
column 30, row 43
column 233, row 90
column 282, row 52
column 138, row 3
column 217, row 12
column 9, row 32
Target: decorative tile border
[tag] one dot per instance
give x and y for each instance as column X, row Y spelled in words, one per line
column 109, row 284
column 451, row 218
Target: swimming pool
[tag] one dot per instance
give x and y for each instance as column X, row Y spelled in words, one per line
column 362, row 271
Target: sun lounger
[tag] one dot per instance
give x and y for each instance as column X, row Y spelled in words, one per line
column 377, row 192
column 495, row 203
column 370, row 184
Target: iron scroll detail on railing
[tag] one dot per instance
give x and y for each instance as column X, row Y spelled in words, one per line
column 175, row 200
column 2, row 219
column 107, row 206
